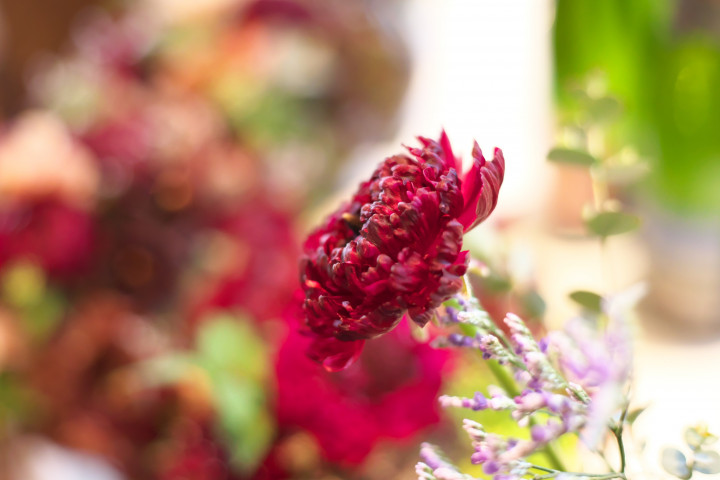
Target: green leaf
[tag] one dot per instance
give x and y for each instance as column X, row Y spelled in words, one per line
column 605, row 224
column 589, row 300
column 229, row 343
column 468, row 329
column 604, row 110
column 674, row 462
column 572, row 157
column 633, row 415
column 245, row 423
column 707, row 462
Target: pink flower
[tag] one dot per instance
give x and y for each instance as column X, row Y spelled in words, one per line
column 395, row 248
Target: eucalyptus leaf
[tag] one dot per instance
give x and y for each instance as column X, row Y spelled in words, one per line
column 571, row 156
column 675, row 463
column 605, row 224
column 589, row 300
column 633, row 415
column 707, row 462
column 604, row 109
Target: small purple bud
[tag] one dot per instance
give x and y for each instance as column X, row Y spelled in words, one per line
column 478, row 457
column 539, row 434
column 479, row 401
column 491, row 467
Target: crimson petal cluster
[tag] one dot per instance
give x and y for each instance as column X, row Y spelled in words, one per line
column 395, row 248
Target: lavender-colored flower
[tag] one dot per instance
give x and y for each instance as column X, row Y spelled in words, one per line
column 575, row 379
column 598, row 362
column 395, row 248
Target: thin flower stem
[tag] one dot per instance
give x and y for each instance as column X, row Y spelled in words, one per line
column 551, row 473
column 503, row 378
column 618, row 432
column 621, row 448
column 604, row 476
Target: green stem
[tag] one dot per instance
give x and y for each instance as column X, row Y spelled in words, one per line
column 503, row 378
column 618, row 432
column 621, row 447
column 597, row 476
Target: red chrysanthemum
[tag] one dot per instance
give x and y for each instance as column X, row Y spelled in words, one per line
column 395, row 248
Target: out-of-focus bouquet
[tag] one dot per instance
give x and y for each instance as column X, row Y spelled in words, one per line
column 148, row 248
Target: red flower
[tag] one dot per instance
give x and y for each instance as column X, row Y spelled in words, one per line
column 395, row 248
column 57, row 236
column 391, row 394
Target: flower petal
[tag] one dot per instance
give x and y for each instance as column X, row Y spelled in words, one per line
column 334, row 354
column 481, row 187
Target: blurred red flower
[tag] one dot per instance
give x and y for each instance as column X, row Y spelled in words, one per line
column 389, row 394
column 395, row 248
column 56, row 236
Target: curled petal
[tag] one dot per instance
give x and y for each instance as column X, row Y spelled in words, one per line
column 481, row 187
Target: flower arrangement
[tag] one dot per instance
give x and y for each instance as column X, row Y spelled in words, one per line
column 150, row 310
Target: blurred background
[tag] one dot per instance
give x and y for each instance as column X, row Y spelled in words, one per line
column 161, row 160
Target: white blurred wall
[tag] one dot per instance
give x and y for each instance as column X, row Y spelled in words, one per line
column 482, row 69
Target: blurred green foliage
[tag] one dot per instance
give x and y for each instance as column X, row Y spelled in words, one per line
column 234, row 361
column 668, row 81
column 24, row 288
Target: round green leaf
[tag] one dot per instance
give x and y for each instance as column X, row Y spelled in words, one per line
column 604, row 110
column 707, row 462
column 605, row 224
column 570, row 156
column 674, row 462
column 588, row 300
